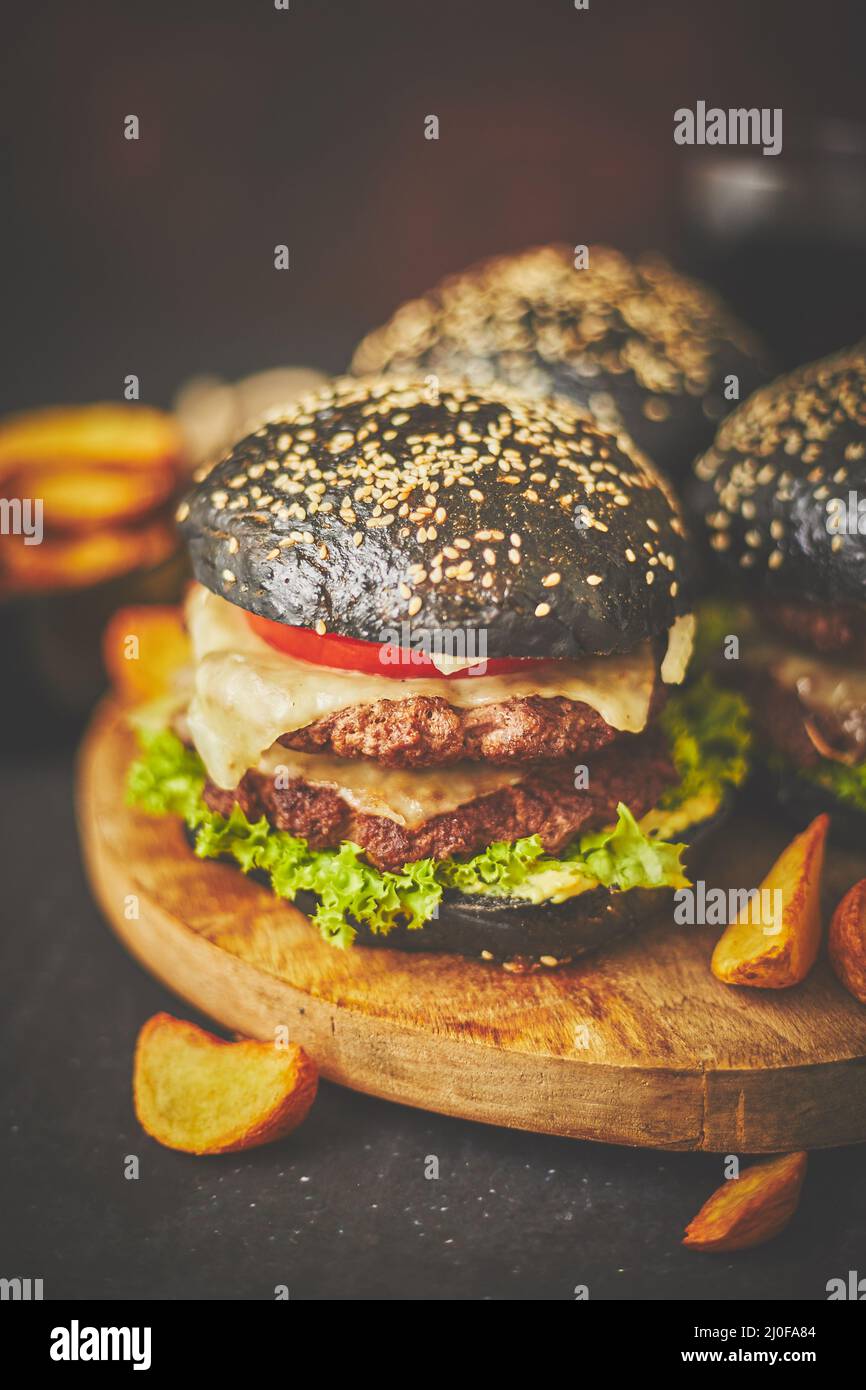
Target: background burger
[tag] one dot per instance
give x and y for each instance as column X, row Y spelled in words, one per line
column 434, row 647
column 778, row 495
column 643, row 347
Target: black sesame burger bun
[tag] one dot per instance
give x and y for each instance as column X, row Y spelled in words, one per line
column 762, row 491
column 372, row 505
column 645, row 349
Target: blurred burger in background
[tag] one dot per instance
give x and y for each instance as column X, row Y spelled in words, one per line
column 642, row 347
column 781, row 499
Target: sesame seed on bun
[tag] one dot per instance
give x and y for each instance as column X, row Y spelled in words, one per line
column 764, row 491
column 643, row 347
column 375, row 503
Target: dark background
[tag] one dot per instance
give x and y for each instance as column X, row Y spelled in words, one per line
column 156, row 257
column 261, row 127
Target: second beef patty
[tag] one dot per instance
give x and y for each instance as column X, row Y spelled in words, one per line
column 635, row 770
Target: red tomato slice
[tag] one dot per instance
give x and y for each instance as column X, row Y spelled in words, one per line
column 372, row 658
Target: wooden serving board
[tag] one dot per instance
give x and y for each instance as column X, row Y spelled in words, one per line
column 639, row 1046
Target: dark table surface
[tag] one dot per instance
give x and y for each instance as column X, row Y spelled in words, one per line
column 343, row 1208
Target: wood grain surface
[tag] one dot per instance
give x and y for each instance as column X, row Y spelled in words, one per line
column 638, row 1046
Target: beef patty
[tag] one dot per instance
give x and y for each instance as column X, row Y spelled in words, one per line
column 635, row 770
column 779, row 718
column 424, row 730
column 840, row 628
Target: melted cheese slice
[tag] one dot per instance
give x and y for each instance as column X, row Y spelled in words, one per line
column 247, row 694
column 407, row 796
column 832, row 691
column 681, row 639
column 822, row 684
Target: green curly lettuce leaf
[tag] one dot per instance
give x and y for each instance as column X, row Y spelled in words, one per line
column 345, row 884
column 625, row 857
column 709, row 744
column 848, row 784
column 619, row 857
column 710, row 735
column 168, row 779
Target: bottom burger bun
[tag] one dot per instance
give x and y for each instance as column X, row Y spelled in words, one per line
column 801, row 800
column 521, row 935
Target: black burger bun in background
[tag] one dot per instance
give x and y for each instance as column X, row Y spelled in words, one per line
column 760, row 493
column 643, row 347
column 373, row 504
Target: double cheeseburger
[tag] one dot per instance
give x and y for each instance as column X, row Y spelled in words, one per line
column 779, row 495
column 641, row 346
column 438, row 645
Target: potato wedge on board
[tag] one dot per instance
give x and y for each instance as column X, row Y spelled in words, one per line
column 81, row 498
column 847, row 941
column 199, row 1094
column 143, row 648
column 73, row 562
column 773, row 953
column 132, row 436
column 750, row 1209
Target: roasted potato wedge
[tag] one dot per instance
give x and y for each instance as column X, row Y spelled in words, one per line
column 775, row 954
column 143, row 648
column 83, row 498
column 130, row 436
column 199, row 1094
column 750, row 1209
column 847, row 941
column 75, row 562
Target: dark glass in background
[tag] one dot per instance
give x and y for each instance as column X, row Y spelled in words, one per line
column 783, row 238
